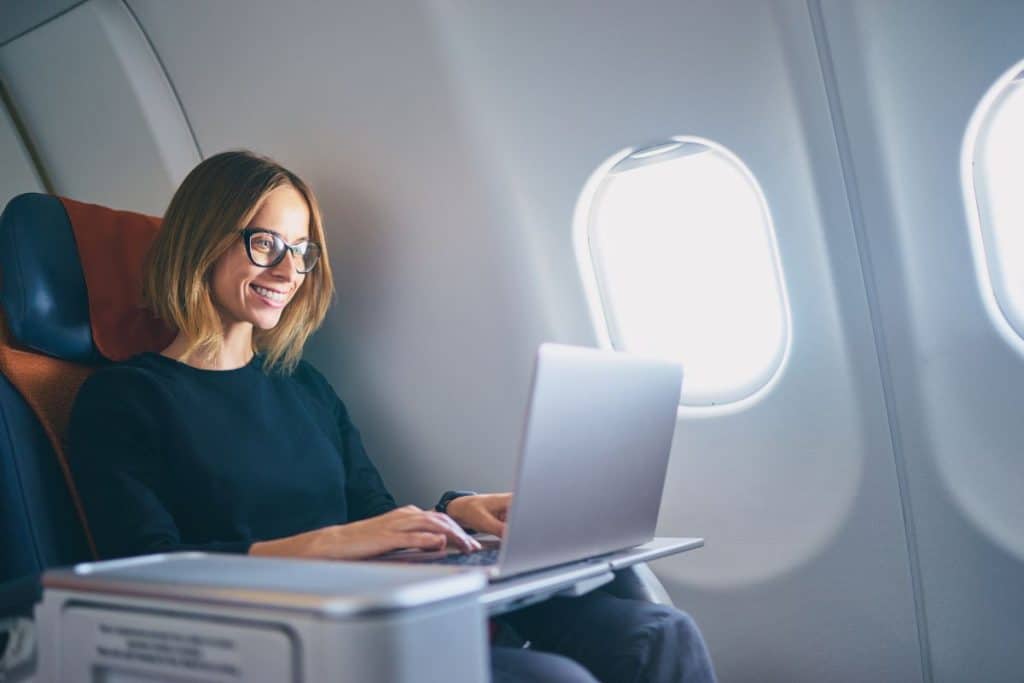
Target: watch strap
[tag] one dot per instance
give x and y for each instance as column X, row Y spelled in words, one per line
column 448, row 496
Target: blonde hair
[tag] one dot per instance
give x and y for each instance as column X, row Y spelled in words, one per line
column 215, row 201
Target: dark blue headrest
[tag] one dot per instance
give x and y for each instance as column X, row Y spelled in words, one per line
column 42, row 289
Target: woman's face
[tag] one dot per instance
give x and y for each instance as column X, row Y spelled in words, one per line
column 246, row 293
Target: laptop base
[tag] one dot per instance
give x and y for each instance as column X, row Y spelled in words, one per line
column 577, row 578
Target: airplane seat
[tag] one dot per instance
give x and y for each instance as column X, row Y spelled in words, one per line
column 61, row 273
column 70, row 276
column 44, row 352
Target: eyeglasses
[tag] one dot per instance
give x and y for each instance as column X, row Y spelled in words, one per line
column 266, row 249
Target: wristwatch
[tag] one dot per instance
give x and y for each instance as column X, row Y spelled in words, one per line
column 449, row 496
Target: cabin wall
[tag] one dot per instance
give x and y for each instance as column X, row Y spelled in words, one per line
column 17, row 172
column 799, row 488
column 448, row 143
column 910, row 75
column 98, row 110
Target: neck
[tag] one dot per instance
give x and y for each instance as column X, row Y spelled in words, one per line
column 235, row 350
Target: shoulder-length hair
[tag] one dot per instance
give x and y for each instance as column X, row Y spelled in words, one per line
column 216, row 200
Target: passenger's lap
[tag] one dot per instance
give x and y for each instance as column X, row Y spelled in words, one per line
column 615, row 639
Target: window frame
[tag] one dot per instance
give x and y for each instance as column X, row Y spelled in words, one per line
column 602, row 316
column 1008, row 321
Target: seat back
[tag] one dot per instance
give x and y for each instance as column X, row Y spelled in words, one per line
column 39, row 522
column 66, row 265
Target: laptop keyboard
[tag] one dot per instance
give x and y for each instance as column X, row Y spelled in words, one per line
column 481, row 558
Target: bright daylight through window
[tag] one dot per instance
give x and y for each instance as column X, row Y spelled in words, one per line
column 678, row 254
column 994, row 167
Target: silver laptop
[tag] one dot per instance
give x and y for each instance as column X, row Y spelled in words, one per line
column 592, row 464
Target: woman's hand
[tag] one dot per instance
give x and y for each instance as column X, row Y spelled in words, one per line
column 405, row 527
column 485, row 512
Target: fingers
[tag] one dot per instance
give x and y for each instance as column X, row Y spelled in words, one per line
column 486, row 521
column 498, row 505
column 464, row 541
column 412, row 519
column 482, row 519
column 486, row 512
column 424, row 540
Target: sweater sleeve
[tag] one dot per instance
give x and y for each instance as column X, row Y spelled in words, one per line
column 120, row 470
column 365, row 492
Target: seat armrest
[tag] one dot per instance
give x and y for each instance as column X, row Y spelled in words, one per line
column 638, row 582
column 18, row 597
column 18, row 649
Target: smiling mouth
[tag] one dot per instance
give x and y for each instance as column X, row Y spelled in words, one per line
column 270, row 294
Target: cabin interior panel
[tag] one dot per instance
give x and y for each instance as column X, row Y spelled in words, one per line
column 911, row 76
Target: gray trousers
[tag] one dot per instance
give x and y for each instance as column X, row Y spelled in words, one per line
column 599, row 637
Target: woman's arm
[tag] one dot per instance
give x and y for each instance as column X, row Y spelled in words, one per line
column 365, row 492
column 405, row 527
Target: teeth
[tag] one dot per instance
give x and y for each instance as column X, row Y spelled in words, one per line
column 269, row 293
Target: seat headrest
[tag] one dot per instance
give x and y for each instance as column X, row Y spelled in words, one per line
column 42, row 288
column 71, row 279
column 112, row 246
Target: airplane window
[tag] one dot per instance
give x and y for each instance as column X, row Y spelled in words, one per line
column 993, row 168
column 677, row 251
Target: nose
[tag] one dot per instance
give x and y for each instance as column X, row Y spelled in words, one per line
column 286, row 268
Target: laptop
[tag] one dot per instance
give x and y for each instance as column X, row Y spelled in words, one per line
column 592, row 464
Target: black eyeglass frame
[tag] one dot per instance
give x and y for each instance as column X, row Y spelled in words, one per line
column 247, row 234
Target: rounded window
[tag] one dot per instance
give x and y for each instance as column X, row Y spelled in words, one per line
column 677, row 251
column 993, row 166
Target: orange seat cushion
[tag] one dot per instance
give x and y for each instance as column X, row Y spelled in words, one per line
column 49, row 386
column 112, row 246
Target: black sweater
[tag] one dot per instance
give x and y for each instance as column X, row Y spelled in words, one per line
column 169, row 457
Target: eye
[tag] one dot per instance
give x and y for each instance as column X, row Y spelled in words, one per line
column 262, row 243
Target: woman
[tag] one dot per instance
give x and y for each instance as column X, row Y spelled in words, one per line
column 226, row 441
